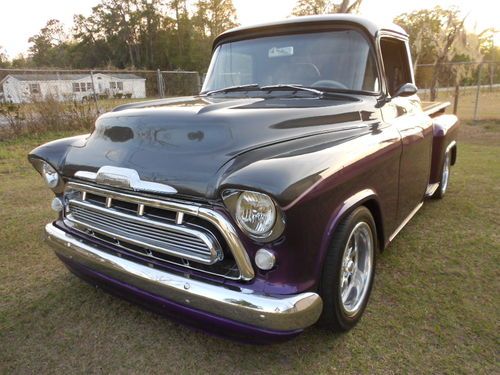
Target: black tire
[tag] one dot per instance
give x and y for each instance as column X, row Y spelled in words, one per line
column 334, row 317
column 445, row 177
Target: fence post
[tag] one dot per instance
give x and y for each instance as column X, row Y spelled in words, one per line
column 198, row 82
column 159, row 78
column 455, row 99
column 476, row 105
column 93, row 91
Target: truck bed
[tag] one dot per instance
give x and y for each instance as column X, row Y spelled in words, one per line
column 434, row 108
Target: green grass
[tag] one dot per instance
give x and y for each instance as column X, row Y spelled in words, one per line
column 434, row 307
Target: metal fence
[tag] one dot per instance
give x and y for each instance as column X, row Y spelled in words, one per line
column 26, row 85
column 473, row 88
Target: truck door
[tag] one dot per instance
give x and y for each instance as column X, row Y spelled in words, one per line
column 415, row 127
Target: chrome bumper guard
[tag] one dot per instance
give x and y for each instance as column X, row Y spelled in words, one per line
column 277, row 313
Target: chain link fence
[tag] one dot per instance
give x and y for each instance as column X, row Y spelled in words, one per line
column 472, row 88
column 37, row 100
column 27, row 85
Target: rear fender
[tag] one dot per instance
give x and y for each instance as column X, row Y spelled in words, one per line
column 445, row 139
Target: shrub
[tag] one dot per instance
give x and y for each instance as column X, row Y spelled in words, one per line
column 44, row 115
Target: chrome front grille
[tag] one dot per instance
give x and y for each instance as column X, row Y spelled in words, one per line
column 176, row 240
column 168, row 230
column 141, row 225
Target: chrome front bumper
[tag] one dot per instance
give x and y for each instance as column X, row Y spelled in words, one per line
column 277, row 313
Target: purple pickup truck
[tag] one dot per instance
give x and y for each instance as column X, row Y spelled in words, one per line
column 258, row 207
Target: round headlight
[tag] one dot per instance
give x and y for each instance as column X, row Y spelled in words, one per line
column 255, row 212
column 50, row 175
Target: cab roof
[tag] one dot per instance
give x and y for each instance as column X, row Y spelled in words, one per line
column 371, row 27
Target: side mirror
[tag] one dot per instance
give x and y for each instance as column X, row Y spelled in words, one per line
column 406, row 89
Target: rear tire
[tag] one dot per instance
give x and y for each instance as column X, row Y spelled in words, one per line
column 445, row 177
column 348, row 271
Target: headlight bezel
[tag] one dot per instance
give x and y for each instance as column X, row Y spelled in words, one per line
column 44, row 168
column 231, row 198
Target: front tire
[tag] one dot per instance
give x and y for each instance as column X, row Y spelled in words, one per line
column 348, row 271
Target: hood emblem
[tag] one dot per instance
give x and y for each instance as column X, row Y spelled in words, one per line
column 124, row 178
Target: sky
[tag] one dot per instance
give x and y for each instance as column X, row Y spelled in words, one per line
column 20, row 19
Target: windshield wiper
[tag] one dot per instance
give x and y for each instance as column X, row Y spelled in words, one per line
column 292, row 87
column 234, row 88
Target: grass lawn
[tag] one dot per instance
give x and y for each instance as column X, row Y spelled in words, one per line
column 434, row 308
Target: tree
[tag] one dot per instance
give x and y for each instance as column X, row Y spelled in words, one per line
column 215, row 16
column 49, row 45
column 439, row 35
column 211, row 18
column 313, row 7
column 422, row 26
column 490, row 53
column 150, row 34
column 4, row 61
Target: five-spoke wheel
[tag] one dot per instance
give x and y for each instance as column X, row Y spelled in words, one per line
column 348, row 270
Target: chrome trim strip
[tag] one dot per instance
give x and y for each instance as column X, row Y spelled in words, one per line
column 190, row 209
column 231, row 236
column 84, row 175
column 431, row 189
column 221, row 223
column 450, row 146
column 405, row 221
column 278, row 313
column 124, row 178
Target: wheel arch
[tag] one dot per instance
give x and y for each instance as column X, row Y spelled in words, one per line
column 367, row 198
column 453, row 151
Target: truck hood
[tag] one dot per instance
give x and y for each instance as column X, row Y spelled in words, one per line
column 186, row 142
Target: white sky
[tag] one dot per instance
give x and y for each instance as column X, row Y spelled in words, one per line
column 20, row 19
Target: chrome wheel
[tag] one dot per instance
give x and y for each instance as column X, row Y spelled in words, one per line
column 357, row 268
column 446, row 174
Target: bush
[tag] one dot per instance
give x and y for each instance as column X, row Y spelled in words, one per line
column 48, row 114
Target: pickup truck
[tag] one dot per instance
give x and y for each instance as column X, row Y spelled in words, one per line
column 258, row 207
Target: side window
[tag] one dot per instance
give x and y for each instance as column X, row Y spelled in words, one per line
column 396, row 63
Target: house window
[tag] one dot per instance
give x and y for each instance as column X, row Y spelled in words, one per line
column 116, row 85
column 34, row 88
column 82, row 86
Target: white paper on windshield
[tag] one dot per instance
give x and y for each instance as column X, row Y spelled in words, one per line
column 280, row 51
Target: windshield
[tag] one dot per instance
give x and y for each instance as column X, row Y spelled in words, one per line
column 341, row 60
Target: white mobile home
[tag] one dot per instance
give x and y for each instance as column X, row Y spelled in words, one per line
column 23, row 88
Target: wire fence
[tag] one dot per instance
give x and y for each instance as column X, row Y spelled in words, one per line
column 473, row 88
column 27, row 85
column 28, row 96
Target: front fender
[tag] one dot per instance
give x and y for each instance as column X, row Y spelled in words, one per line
column 55, row 152
column 367, row 197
